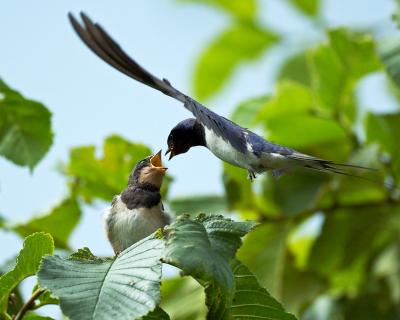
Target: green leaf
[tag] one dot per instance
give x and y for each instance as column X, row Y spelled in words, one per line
column 296, row 69
column 208, row 203
column 203, row 249
column 338, row 65
column 265, row 252
column 298, row 192
column 34, row 316
column 390, row 55
column 309, row 7
column 182, row 291
column 245, row 10
column 344, row 261
column 106, row 176
column 91, row 288
column 35, row 247
column 290, row 119
column 157, row 314
column 240, row 43
column 67, row 214
column 25, row 128
column 246, row 112
column 253, row 301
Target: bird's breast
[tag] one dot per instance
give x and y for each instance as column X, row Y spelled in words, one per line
column 125, row 227
column 226, row 152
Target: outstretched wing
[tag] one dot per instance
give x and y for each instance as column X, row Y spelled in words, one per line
column 97, row 39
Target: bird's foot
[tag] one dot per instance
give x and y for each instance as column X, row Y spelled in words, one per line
column 251, row 175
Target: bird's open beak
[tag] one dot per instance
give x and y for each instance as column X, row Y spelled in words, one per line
column 170, row 150
column 156, row 163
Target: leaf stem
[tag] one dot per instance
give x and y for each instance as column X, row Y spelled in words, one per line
column 28, row 305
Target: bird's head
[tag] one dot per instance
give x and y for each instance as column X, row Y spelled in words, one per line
column 148, row 172
column 186, row 134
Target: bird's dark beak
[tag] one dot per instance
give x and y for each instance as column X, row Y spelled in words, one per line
column 170, row 150
column 156, row 163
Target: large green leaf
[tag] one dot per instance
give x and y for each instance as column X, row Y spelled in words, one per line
column 25, row 128
column 252, row 301
column 238, row 8
column 309, row 7
column 35, row 247
column 59, row 222
column 338, row 65
column 290, row 118
column 212, row 204
column 106, row 176
column 203, row 249
column 240, row 43
column 183, row 291
column 92, row 288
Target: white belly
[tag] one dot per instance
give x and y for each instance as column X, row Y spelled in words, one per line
column 226, row 152
column 125, row 227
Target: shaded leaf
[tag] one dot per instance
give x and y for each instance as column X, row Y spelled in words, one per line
column 203, row 249
column 59, row 222
column 25, row 128
column 240, row 43
column 251, row 300
column 106, row 176
column 265, row 251
column 296, row 69
column 35, row 247
column 183, row 291
column 198, row 204
column 91, row 288
column 157, row 314
column 344, row 260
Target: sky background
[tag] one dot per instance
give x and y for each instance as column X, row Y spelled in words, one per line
column 42, row 58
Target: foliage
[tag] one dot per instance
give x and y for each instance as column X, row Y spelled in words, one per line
column 25, row 131
column 93, row 288
column 326, row 247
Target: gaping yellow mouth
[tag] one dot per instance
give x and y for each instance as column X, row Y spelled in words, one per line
column 156, row 163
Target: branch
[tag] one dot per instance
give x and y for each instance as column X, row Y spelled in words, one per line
column 307, row 213
column 28, row 305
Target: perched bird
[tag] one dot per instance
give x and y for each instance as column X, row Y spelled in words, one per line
column 138, row 211
column 224, row 138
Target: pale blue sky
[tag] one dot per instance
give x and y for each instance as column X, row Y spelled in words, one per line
column 43, row 58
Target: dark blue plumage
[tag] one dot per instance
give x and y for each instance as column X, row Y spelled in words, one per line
column 227, row 140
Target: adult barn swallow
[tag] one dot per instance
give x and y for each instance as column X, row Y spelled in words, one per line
column 138, row 211
column 224, row 138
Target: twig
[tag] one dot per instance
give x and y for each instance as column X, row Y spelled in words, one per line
column 28, row 305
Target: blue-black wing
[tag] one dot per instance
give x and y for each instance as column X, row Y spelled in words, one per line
column 97, row 39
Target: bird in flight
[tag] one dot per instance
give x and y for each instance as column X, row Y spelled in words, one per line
column 138, row 211
column 224, row 138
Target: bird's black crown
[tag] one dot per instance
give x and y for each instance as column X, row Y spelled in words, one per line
column 186, row 134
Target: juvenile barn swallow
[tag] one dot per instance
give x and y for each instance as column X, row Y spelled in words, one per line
column 224, row 138
column 138, row 211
